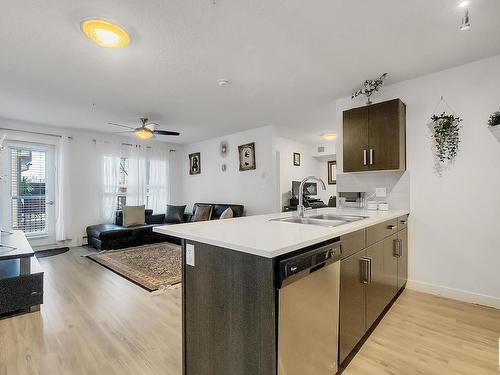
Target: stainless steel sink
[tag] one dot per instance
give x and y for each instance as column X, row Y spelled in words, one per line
column 323, row 220
column 348, row 218
column 311, row 221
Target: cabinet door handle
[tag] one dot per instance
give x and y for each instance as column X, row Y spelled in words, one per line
column 366, row 270
column 371, row 156
column 369, row 270
column 363, row 262
column 364, row 157
column 395, row 251
column 401, row 248
column 391, row 227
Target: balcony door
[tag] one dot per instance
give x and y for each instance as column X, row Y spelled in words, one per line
column 29, row 191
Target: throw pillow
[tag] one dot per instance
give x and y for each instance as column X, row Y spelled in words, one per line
column 202, row 213
column 133, row 215
column 175, row 214
column 227, row 214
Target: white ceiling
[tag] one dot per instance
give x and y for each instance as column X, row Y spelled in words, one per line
column 288, row 60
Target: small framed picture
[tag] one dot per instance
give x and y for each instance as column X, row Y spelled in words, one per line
column 332, row 172
column 247, row 156
column 296, row 159
column 194, row 163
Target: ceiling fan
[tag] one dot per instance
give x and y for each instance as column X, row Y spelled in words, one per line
column 146, row 131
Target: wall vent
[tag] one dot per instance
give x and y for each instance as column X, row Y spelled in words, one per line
column 321, row 149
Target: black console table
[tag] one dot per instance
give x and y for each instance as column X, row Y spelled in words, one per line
column 21, row 277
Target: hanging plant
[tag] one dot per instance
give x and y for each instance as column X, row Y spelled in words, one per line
column 494, row 119
column 446, row 136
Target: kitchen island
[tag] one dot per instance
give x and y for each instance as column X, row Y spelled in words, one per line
column 231, row 280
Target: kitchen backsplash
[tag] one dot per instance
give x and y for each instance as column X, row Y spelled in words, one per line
column 396, row 183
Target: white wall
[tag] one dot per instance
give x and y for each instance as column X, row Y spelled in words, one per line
column 255, row 189
column 454, row 223
column 84, row 209
column 309, row 166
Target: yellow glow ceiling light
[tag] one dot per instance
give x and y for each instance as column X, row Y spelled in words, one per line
column 144, row 133
column 329, row 136
column 105, row 33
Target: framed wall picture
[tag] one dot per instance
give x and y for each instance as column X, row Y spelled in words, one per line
column 247, row 156
column 194, row 163
column 296, row 159
column 332, row 172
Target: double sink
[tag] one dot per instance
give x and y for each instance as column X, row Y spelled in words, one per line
column 324, row 220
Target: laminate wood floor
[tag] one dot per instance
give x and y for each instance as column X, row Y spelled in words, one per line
column 96, row 322
column 93, row 322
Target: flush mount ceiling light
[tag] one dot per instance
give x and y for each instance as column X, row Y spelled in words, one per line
column 463, row 4
column 465, row 25
column 329, row 136
column 105, row 34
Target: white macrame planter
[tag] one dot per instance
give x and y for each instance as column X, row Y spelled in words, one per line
column 495, row 130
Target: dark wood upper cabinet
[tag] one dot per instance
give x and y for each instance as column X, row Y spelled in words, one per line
column 374, row 137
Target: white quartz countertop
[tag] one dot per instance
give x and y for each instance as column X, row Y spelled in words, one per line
column 259, row 236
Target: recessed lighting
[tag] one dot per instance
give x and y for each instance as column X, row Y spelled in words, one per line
column 105, row 34
column 463, row 4
column 223, row 82
column 329, row 136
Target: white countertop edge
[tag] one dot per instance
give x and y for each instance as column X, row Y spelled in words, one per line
column 375, row 217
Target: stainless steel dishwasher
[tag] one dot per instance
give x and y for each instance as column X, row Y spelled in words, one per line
column 308, row 322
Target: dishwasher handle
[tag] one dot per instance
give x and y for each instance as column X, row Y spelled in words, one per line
column 308, row 262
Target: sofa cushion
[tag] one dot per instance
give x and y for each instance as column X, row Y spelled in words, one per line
column 202, row 212
column 155, row 219
column 175, row 214
column 133, row 215
column 108, row 231
column 220, row 208
column 227, row 214
column 119, row 216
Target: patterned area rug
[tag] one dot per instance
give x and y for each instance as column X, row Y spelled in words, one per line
column 150, row 266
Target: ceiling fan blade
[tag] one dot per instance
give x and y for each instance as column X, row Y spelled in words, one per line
column 123, row 126
column 165, row 132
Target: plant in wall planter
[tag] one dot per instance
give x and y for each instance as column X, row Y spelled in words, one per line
column 494, row 124
column 445, row 130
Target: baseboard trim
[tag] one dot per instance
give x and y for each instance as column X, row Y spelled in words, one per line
column 457, row 294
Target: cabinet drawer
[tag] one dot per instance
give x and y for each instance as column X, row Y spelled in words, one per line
column 402, row 222
column 353, row 242
column 380, row 231
column 21, row 292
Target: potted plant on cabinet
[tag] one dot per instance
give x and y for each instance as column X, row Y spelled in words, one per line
column 494, row 124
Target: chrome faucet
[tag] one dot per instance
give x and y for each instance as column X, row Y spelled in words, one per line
column 300, row 206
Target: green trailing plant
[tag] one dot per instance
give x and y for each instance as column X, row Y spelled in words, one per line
column 25, row 187
column 446, row 136
column 494, row 119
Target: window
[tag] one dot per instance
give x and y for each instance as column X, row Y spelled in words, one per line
column 28, row 190
column 122, row 183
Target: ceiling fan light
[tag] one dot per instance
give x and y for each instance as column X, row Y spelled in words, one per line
column 143, row 133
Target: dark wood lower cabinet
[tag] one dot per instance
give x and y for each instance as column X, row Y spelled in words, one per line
column 352, row 302
column 403, row 258
column 364, row 297
column 376, row 290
